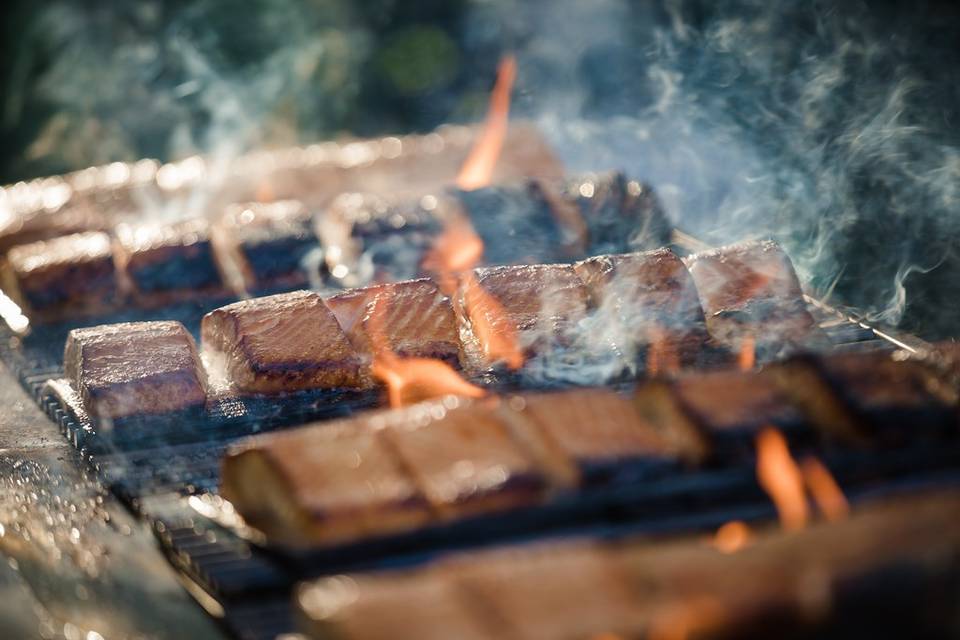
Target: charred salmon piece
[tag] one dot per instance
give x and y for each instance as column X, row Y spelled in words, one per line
column 281, row 343
column 726, row 407
column 410, row 319
column 165, row 262
column 408, row 604
column 620, row 214
column 589, row 435
column 371, row 238
column 322, row 485
column 650, row 301
column 559, row 590
column 135, row 368
column 880, row 397
column 466, row 463
column 70, row 275
column 539, row 305
column 750, row 290
column 868, row 557
column 267, row 243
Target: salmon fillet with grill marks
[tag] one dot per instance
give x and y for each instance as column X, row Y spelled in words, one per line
column 52, row 279
column 751, row 291
column 392, row 605
column 411, row 319
column 466, row 463
column 323, row 484
column 649, row 301
column 589, row 434
column 727, row 408
column 135, row 368
column 286, row 342
column 539, row 304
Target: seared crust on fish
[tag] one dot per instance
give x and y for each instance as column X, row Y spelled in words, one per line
column 165, row 263
column 750, row 291
column 66, row 276
column 135, row 368
column 650, row 301
column 329, row 484
column 410, row 319
column 286, row 342
column 539, row 304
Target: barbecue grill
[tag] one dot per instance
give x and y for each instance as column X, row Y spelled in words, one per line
column 370, row 211
column 167, row 474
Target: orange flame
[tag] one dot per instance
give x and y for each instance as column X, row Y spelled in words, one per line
column 732, row 537
column 781, row 478
column 411, row 380
column 458, row 249
column 748, row 353
column 825, row 490
column 662, row 356
column 477, row 170
column 500, row 343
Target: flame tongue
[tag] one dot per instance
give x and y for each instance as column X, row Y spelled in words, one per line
column 825, row 490
column 477, row 170
column 411, row 380
column 457, row 250
column 780, row 477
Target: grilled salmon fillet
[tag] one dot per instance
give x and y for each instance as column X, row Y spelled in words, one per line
column 323, row 484
column 65, row 276
column 620, row 214
column 727, row 407
column 881, row 397
column 410, row 319
column 635, row 587
column 371, row 238
column 285, row 342
column 750, row 291
column 648, row 301
column 135, row 368
column 266, row 243
column 538, row 304
column 586, row 435
column 166, row 262
column 467, row 463
column 391, row 605
column 560, row 590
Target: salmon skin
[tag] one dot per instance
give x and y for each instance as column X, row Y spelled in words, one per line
column 135, row 368
column 280, row 343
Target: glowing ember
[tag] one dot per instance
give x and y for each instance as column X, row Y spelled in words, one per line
column 457, row 250
column 478, row 167
column 781, row 478
column 825, row 490
column 411, row 380
column 499, row 339
column 748, row 353
column 732, row 537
